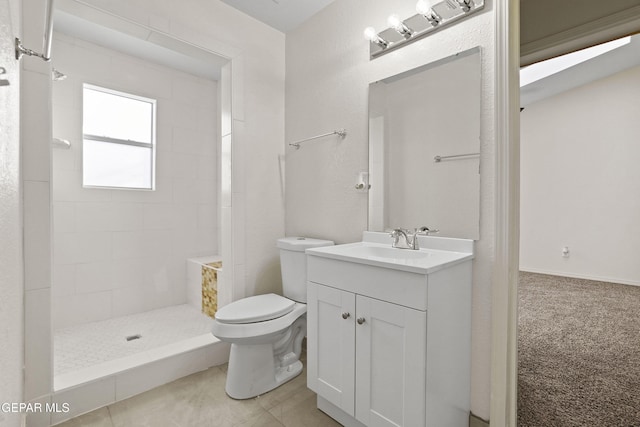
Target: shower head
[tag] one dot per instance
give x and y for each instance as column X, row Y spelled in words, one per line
column 57, row 75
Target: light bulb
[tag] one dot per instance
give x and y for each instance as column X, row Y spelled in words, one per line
column 423, row 7
column 370, row 34
column 394, row 22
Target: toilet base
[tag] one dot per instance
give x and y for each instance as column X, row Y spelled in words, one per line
column 261, row 376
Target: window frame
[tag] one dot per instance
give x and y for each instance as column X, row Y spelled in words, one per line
column 151, row 145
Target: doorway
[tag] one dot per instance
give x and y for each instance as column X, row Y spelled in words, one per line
column 578, row 281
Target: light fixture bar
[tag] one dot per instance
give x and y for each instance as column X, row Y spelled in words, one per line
column 427, row 20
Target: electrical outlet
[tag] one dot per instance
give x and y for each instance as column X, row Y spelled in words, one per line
column 565, row 252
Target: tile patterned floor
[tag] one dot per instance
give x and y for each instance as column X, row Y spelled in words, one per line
column 199, row 400
column 90, row 344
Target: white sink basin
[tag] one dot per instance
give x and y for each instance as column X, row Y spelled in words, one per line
column 422, row 261
column 371, row 250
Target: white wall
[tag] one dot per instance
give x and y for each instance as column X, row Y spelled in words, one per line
column 328, row 74
column 11, row 277
column 580, row 181
column 119, row 252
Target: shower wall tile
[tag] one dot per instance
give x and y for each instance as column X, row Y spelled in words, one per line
column 225, row 171
column 67, row 187
column 64, row 280
column 239, row 156
column 158, row 216
column 132, row 300
column 225, row 100
column 93, row 216
column 37, row 243
column 76, row 248
column 64, row 217
column 206, row 191
column 93, row 277
column 81, row 308
column 238, row 227
column 108, row 216
column 128, row 244
column 189, row 140
column 120, row 252
column 207, row 167
column 189, row 89
column 185, row 216
column 238, row 86
column 126, row 273
column 67, row 124
column 185, row 190
column 207, row 243
column 68, row 95
column 164, row 161
column 162, row 194
column 67, row 158
column 37, row 381
column 184, row 116
column 207, row 216
column 36, row 128
column 185, row 166
column 207, row 123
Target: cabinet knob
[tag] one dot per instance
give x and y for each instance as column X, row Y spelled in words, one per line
column 360, row 320
column 346, row 315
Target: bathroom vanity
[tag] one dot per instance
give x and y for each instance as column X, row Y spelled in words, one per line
column 389, row 331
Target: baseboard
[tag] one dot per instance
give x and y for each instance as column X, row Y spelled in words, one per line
column 581, row 276
column 477, row 422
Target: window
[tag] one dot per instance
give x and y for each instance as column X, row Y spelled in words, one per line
column 118, row 139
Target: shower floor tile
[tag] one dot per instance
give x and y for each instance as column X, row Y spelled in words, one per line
column 83, row 346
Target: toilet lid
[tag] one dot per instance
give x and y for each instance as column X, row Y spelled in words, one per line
column 255, row 309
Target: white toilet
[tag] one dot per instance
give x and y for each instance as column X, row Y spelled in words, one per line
column 266, row 331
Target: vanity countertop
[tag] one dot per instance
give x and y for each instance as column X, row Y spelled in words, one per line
column 375, row 249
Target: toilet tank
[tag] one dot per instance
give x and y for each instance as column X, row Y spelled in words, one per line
column 293, row 263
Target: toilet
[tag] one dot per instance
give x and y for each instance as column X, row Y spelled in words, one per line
column 266, row 331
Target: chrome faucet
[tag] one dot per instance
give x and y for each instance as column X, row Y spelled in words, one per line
column 410, row 239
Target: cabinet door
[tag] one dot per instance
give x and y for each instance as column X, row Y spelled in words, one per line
column 391, row 343
column 331, row 345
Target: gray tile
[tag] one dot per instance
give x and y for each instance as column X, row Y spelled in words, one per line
column 284, row 392
column 196, row 400
column 300, row 410
column 98, row 418
column 199, row 400
column 262, row 419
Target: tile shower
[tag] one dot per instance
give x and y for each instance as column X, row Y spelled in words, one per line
column 121, row 295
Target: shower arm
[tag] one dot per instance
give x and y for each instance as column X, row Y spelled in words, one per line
column 48, row 35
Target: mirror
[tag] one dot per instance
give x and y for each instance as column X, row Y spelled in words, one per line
column 424, row 148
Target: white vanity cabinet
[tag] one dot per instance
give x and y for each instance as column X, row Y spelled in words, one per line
column 368, row 356
column 387, row 346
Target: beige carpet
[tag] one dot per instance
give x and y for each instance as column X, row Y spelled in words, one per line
column 578, row 353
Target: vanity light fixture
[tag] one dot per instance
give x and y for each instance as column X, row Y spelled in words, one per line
column 465, row 5
column 371, row 35
column 424, row 8
column 396, row 23
column 429, row 17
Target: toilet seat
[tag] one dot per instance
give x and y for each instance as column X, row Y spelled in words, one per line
column 254, row 309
